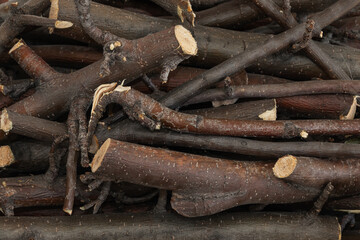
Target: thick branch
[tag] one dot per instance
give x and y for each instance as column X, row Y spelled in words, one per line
column 33, row 127
column 286, row 19
column 283, row 90
column 180, row 8
column 146, row 107
column 214, row 45
column 151, row 51
column 314, row 172
column 31, row 63
column 279, row 226
column 201, row 185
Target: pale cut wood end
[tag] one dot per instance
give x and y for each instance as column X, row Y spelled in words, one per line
column 269, row 115
column 6, row 156
column 99, row 156
column 352, row 111
column 17, row 45
column 63, row 24
column 186, row 40
column 5, row 122
column 284, row 166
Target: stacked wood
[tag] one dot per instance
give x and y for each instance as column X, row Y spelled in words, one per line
column 190, row 119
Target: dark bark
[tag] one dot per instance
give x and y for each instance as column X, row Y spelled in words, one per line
column 287, row 20
column 257, row 110
column 200, row 185
column 282, row 90
column 214, row 43
column 54, row 97
column 179, row 8
column 166, row 226
column 154, row 115
column 37, row 128
column 314, row 172
column 10, row 29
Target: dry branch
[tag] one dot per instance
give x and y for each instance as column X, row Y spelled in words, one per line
column 200, row 185
column 166, row 226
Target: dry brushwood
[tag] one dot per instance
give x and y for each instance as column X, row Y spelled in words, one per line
column 279, row 225
column 154, row 115
column 52, row 98
column 202, row 185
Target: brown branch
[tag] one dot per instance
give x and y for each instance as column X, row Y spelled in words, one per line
column 214, row 44
column 201, row 185
column 32, row 64
column 178, row 96
column 33, row 127
column 286, row 19
column 146, row 107
column 131, row 131
column 281, row 226
column 53, row 98
column 180, row 8
column 282, row 90
column 10, row 29
column 317, row 172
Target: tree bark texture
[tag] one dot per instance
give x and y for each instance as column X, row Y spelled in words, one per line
column 167, row 226
column 200, row 185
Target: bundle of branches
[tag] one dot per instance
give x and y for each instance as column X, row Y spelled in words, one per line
column 154, row 112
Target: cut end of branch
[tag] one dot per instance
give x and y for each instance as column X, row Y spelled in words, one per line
column 94, row 146
column 5, row 122
column 104, row 88
column 304, row 134
column 63, row 24
column 269, row 115
column 284, row 166
column 186, row 40
column 6, row 156
column 2, row 89
column 99, row 156
column 184, row 10
column 352, row 110
column 17, row 45
column 68, row 211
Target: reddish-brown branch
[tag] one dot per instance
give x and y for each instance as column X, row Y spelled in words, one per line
column 201, row 185
column 149, row 108
column 230, row 226
column 31, row 63
column 314, row 172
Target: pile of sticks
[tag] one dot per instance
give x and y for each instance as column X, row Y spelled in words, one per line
column 180, row 119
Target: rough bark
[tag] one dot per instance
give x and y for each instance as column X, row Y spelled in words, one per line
column 200, row 185
column 256, row 110
column 154, row 115
column 53, row 99
column 314, row 172
column 214, row 43
column 166, row 226
column 37, row 128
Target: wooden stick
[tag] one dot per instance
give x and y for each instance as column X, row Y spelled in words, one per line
column 213, row 43
column 200, row 185
column 53, row 97
column 142, row 107
column 33, row 127
column 166, row 226
column 316, row 172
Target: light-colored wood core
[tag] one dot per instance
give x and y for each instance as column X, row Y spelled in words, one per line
column 186, row 40
column 99, row 156
column 16, row 46
column 63, row 24
column 6, row 156
column 285, row 166
column 269, row 115
column 352, row 111
column 5, row 122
